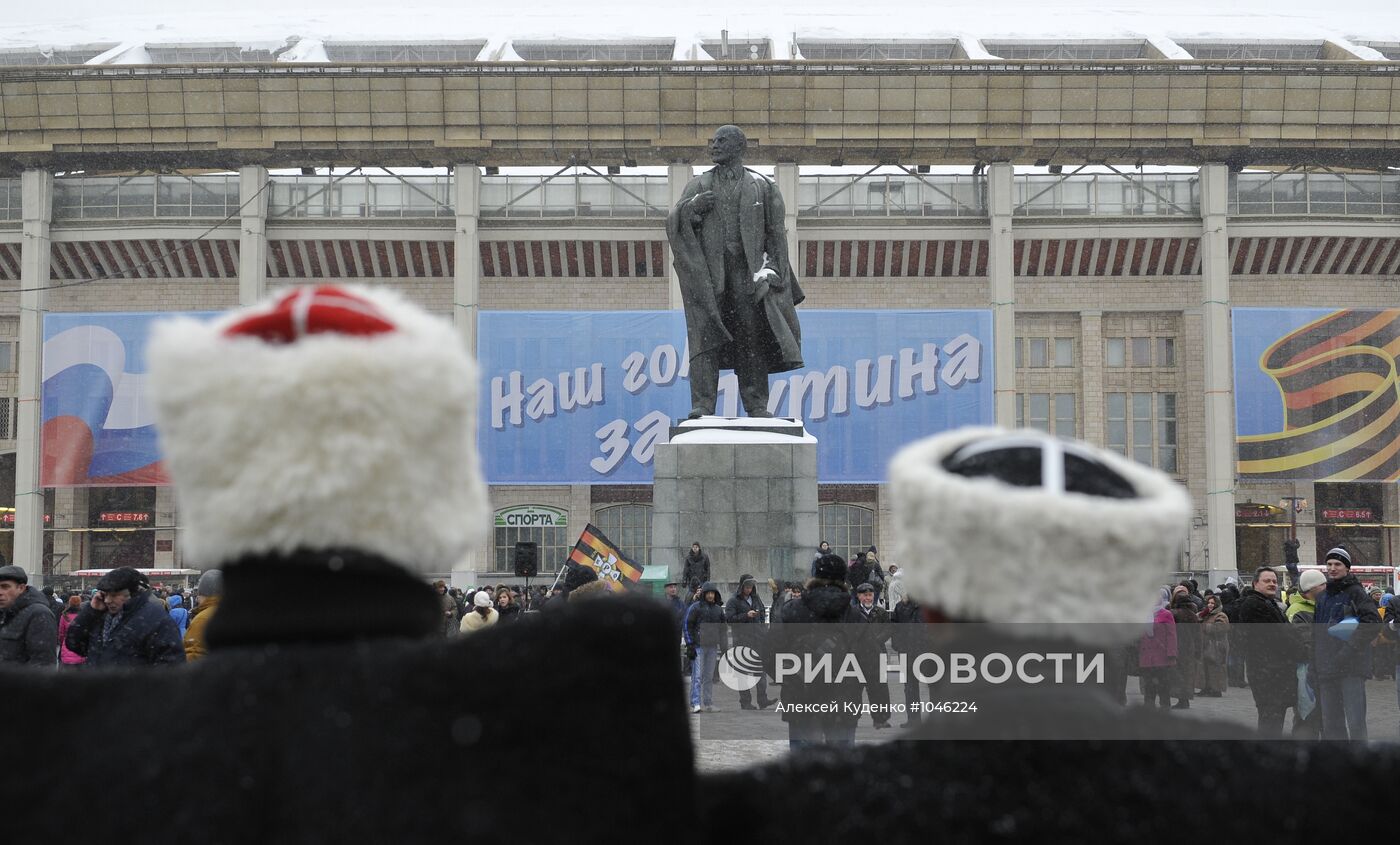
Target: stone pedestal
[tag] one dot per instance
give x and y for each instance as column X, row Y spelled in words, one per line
column 745, row 490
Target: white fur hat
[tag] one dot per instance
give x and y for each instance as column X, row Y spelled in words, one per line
column 326, row 417
column 980, row 549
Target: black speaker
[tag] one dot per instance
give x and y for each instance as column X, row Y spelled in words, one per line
column 527, row 560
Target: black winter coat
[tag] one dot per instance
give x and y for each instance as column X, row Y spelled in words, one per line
column 696, row 569
column 906, row 612
column 29, row 631
column 145, row 636
column 1272, row 650
column 1334, row 658
column 805, row 631
column 746, row 631
column 704, row 621
column 358, row 736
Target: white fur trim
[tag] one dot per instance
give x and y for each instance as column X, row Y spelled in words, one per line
column 982, row 550
column 331, row 441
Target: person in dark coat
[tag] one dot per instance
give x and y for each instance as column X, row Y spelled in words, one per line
column 696, row 569
column 1188, row 646
column 28, row 629
column 870, row 650
column 746, row 617
column 824, row 601
column 704, row 637
column 1230, row 597
column 740, row 293
column 329, row 708
column 906, row 613
column 1272, row 651
column 123, row 625
column 1341, row 665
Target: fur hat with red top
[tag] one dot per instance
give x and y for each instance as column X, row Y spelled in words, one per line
column 328, row 417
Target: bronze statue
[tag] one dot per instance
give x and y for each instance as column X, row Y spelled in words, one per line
column 737, row 284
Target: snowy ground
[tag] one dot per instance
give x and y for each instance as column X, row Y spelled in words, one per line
column 723, row 739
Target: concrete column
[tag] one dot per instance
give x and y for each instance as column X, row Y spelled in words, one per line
column 1001, row 281
column 466, row 248
column 1091, row 376
column 785, row 176
column 1219, row 377
column 164, row 524
column 677, row 177
column 252, row 240
column 37, row 193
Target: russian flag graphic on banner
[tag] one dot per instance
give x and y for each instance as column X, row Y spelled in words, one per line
column 98, row 427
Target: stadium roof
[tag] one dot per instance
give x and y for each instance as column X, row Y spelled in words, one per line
column 155, row 31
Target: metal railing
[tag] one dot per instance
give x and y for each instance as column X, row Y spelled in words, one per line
column 1314, row 193
column 889, row 195
column 574, row 195
column 360, row 195
column 10, row 205
column 126, row 197
column 1107, row 195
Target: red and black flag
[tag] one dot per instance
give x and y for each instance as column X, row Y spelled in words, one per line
column 612, row 565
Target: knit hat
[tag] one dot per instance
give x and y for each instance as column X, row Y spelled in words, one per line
column 1311, row 579
column 14, row 573
column 327, row 417
column 1340, row 554
column 964, row 533
column 483, row 599
column 211, row 583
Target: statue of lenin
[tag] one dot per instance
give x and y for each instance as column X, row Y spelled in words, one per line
column 737, row 284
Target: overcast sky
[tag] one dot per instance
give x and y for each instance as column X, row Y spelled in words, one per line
column 62, row 22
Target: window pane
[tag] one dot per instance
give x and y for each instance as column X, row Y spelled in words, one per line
column 1040, row 411
column 7, row 357
column 1142, row 406
column 1166, row 352
column 1167, row 459
column 1020, row 412
column 850, row 529
column 1117, row 406
column 1064, row 352
column 1115, row 352
column 1038, row 352
column 1118, row 436
column 1064, row 415
column 1166, row 406
column 1142, row 352
column 1143, row 454
column 1019, row 362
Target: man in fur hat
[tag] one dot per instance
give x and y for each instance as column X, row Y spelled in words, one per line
column 323, row 457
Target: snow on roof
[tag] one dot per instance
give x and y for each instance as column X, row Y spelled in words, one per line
column 259, row 22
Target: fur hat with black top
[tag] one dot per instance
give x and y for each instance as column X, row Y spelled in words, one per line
column 830, row 567
column 1001, row 526
column 328, row 417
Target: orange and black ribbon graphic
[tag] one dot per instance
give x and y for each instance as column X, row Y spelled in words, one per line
column 1341, row 407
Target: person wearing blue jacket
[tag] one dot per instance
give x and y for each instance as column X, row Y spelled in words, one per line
column 704, row 634
column 179, row 614
column 1341, row 665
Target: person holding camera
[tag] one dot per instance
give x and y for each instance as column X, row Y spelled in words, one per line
column 123, row 625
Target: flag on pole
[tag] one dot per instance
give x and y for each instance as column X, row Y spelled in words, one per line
column 594, row 549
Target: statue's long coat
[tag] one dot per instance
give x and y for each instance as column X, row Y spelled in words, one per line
column 698, row 250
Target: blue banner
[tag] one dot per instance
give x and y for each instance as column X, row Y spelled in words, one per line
column 585, row 397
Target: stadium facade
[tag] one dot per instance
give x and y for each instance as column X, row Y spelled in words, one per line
column 1113, row 205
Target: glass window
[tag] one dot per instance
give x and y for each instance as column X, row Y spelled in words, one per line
column 1065, row 423
column 1142, row 352
column 629, row 527
column 1038, row 417
column 1064, row 352
column 1166, row 432
column 1142, row 428
column 850, row 529
column 1039, row 352
column 1019, row 360
column 1020, row 412
column 1118, row 422
column 7, row 358
column 1166, row 352
column 1115, row 352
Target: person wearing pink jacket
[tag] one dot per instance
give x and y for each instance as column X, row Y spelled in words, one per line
column 66, row 656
